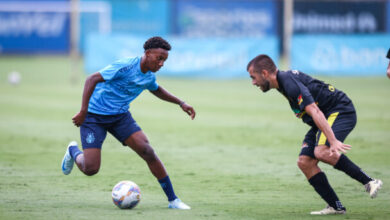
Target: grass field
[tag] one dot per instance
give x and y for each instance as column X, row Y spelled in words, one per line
column 236, row 160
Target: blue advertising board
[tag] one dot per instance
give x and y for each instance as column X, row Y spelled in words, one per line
column 388, row 16
column 32, row 31
column 339, row 16
column 194, row 57
column 44, row 26
column 340, row 54
column 224, row 18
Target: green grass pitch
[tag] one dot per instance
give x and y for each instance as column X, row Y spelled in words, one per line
column 236, row 160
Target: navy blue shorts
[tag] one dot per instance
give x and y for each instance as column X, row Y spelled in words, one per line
column 94, row 129
column 341, row 124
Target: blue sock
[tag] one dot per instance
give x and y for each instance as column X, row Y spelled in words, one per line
column 74, row 152
column 166, row 185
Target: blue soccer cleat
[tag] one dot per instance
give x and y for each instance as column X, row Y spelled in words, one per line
column 178, row 204
column 67, row 161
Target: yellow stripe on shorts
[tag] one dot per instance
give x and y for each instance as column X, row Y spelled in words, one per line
column 331, row 120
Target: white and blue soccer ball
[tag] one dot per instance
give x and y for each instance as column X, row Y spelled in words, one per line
column 126, row 194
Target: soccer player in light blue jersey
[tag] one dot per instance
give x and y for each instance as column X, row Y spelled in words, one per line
column 105, row 107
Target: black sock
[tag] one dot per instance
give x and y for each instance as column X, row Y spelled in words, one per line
column 322, row 187
column 347, row 166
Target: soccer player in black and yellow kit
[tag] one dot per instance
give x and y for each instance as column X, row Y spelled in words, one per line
column 331, row 115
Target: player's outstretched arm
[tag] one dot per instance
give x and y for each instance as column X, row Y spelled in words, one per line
column 89, row 87
column 319, row 119
column 167, row 96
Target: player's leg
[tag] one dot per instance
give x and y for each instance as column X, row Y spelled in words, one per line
column 317, row 178
column 308, row 164
column 130, row 134
column 342, row 125
column 126, row 130
column 92, row 137
column 89, row 161
column 140, row 144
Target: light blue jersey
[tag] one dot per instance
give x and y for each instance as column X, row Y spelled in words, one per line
column 124, row 81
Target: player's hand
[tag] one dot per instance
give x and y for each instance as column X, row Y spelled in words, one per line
column 189, row 110
column 337, row 147
column 79, row 118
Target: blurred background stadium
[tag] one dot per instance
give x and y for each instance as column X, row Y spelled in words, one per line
column 215, row 37
column 237, row 159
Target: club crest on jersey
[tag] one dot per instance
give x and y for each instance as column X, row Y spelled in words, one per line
column 90, row 138
column 300, row 100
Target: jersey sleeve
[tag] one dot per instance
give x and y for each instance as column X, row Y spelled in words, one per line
column 299, row 93
column 114, row 70
column 153, row 86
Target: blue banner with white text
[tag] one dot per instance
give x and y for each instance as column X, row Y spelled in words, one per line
column 340, row 54
column 33, row 29
column 225, row 18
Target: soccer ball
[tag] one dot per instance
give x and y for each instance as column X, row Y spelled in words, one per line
column 126, row 194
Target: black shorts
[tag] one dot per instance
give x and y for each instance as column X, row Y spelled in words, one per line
column 342, row 124
column 94, row 129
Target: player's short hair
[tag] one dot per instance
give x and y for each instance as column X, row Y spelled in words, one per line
column 262, row 62
column 157, row 42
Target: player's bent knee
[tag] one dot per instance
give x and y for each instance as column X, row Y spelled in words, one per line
column 148, row 154
column 305, row 163
column 301, row 164
column 91, row 171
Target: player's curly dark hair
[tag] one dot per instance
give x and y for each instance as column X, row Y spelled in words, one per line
column 157, row 42
column 261, row 62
